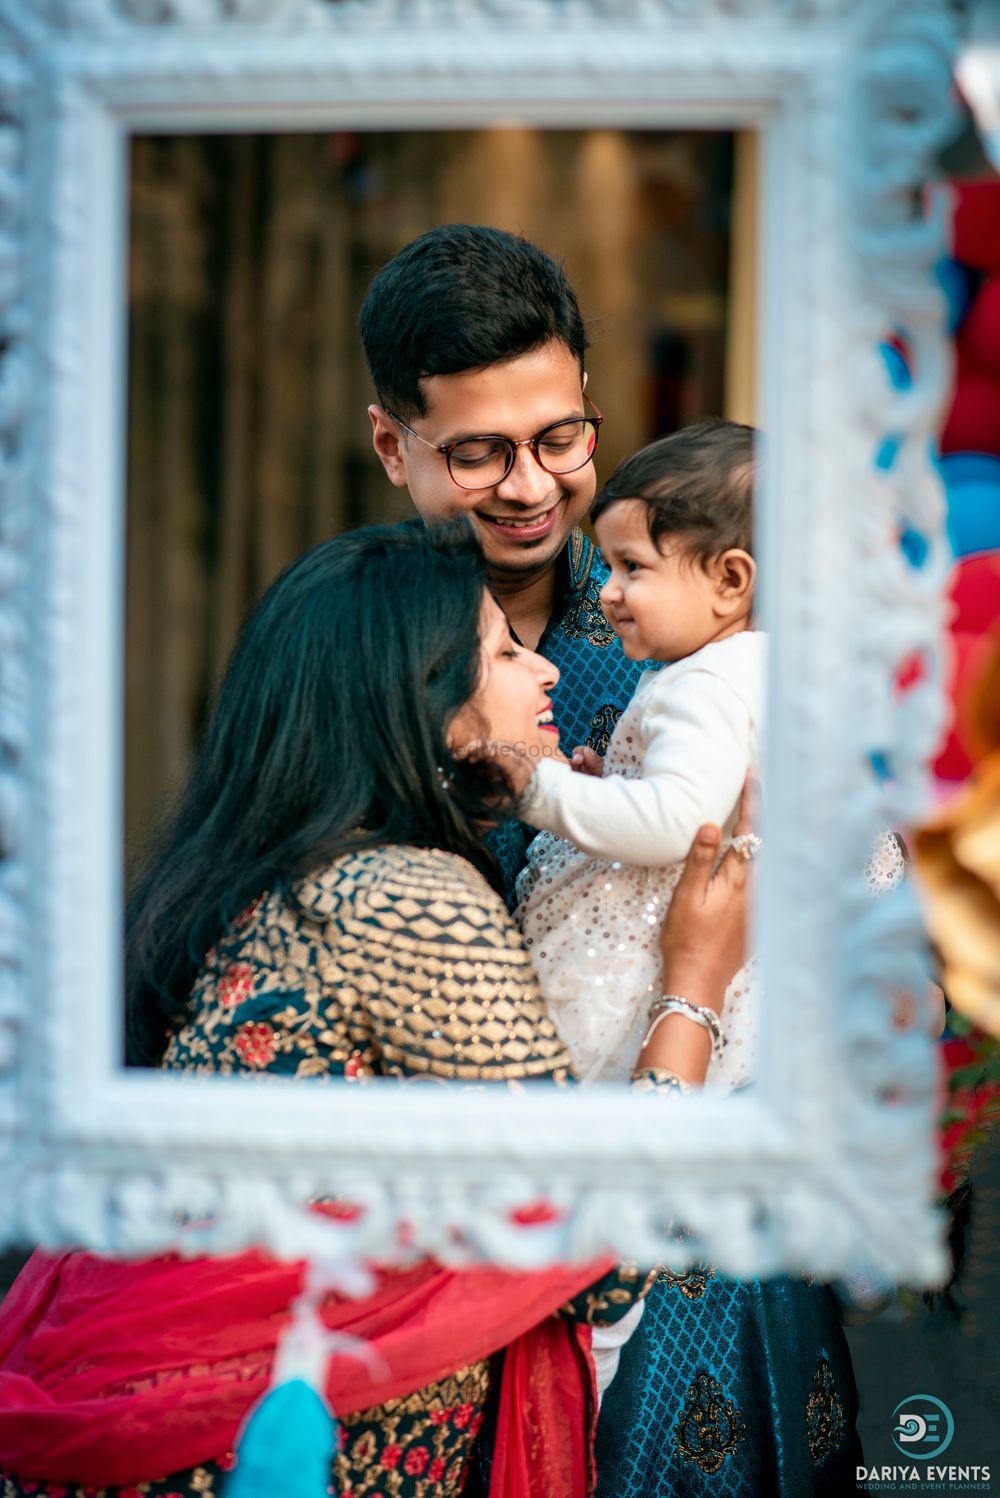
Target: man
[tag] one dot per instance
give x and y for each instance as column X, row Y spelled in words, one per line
column 471, row 333
column 476, row 347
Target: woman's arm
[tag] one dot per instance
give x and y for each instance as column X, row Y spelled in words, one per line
column 458, row 997
column 421, row 971
column 703, row 946
column 442, row 977
column 399, row 962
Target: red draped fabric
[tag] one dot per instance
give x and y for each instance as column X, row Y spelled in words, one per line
column 114, row 1372
column 548, row 1415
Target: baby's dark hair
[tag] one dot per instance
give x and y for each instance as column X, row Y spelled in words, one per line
column 697, row 484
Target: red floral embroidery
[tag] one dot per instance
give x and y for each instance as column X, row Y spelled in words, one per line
column 416, row 1461
column 390, row 1456
column 463, row 1415
column 354, row 1065
column 246, row 916
column 476, row 1423
column 364, row 1448
column 226, row 1463
column 441, row 1417
column 236, row 985
column 436, row 1469
column 256, row 1044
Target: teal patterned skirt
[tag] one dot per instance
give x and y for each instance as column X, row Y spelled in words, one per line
column 731, row 1389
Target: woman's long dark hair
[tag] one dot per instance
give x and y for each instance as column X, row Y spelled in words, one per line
column 328, row 734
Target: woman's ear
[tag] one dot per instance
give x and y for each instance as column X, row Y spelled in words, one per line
column 735, row 572
column 388, row 443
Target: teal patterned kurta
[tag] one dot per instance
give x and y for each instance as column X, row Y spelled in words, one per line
column 731, row 1389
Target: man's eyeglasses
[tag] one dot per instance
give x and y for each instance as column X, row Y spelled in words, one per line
column 481, row 462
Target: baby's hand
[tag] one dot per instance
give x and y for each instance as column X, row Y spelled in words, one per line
column 587, row 761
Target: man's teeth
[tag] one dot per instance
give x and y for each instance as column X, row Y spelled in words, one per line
column 518, row 524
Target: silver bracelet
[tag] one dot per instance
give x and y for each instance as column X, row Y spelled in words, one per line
column 675, row 1003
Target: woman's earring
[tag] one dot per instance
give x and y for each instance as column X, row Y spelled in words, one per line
column 443, row 780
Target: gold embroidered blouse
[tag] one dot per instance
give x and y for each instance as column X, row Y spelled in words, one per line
column 400, row 961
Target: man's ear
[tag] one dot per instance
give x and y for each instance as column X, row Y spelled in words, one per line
column 735, row 572
column 388, row 443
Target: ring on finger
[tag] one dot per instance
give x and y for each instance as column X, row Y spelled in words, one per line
column 747, row 846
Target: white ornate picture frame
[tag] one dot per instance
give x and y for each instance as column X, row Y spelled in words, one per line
column 828, row 1163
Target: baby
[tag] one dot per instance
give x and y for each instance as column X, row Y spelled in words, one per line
column 675, row 525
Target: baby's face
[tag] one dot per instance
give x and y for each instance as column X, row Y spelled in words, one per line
column 661, row 603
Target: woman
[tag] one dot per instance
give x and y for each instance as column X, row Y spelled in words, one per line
column 323, row 904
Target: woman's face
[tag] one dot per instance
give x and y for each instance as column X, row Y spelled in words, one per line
column 510, row 711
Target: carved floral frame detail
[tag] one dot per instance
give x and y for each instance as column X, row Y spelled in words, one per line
column 829, row 1163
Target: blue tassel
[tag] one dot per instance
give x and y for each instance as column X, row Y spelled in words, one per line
column 286, row 1446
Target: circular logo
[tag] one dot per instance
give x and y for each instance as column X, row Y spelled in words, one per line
column 923, row 1427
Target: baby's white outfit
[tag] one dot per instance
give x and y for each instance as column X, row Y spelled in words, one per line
column 599, row 877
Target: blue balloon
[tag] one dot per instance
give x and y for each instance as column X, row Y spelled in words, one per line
column 972, row 483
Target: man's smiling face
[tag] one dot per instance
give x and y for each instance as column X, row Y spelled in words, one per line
column 516, row 399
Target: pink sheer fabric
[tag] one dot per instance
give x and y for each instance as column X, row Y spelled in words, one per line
column 115, row 1372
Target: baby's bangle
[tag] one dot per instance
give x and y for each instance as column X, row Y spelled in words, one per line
column 674, row 1003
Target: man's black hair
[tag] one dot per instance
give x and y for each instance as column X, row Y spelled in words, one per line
column 697, row 484
column 461, row 297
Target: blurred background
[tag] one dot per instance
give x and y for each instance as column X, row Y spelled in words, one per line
column 248, row 436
